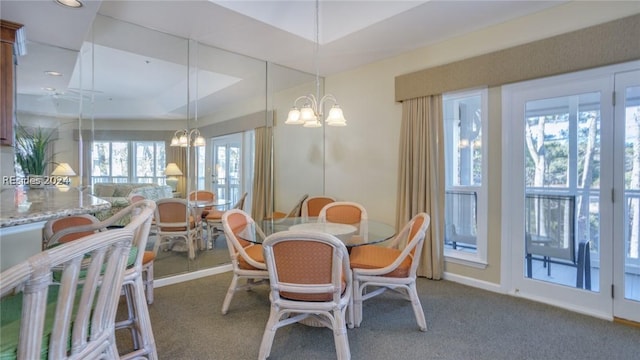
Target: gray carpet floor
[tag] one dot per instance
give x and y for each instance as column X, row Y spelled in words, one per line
column 464, row 323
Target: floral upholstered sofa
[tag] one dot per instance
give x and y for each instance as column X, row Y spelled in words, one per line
column 118, row 195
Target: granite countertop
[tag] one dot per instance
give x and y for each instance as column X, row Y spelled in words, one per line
column 47, row 203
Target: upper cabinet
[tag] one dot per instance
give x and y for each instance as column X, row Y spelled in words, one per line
column 8, row 36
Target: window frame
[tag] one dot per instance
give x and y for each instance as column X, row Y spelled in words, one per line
column 131, row 177
column 478, row 258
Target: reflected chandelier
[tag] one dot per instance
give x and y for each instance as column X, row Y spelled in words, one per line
column 182, row 137
column 312, row 106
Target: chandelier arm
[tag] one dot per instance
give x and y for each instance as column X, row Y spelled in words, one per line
column 327, row 97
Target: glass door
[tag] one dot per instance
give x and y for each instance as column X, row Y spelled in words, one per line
column 574, row 190
column 560, row 182
column 626, row 285
column 227, row 167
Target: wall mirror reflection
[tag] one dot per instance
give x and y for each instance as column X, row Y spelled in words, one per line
column 119, row 102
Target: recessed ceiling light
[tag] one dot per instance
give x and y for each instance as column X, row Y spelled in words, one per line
column 49, row 89
column 70, row 3
column 53, row 73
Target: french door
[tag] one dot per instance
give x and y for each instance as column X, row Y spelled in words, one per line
column 626, row 290
column 573, row 159
column 226, row 172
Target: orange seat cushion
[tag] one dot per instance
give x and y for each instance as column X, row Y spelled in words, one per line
column 376, row 257
column 148, row 257
column 214, row 214
column 192, row 224
column 255, row 253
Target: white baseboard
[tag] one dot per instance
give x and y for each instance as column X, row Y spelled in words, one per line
column 499, row 289
column 190, row 276
column 485, row 285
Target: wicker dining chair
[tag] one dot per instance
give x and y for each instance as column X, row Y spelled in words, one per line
column 138, row 321
column 55, row 225
column 214, row 219
column 247, row 259
column 61, row 303
column 310, row 279
column 175, row 219
column 393, row 267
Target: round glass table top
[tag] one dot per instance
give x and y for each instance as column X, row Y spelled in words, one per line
column 364, row 232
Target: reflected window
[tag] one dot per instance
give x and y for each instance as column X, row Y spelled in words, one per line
column 128, row 162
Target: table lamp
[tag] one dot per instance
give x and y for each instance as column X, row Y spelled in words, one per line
column 63, row 170
column 172, row 171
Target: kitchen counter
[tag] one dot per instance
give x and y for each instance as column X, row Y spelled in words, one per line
column 47, row 203
column 21, row 226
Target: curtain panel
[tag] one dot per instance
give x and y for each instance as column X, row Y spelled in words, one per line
column 262, row 179
column 421, row 176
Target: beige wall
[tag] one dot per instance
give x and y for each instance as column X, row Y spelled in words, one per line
column 361, row 161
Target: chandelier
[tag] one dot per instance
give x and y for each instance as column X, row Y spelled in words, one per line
column 310, row 113
column 182, row 137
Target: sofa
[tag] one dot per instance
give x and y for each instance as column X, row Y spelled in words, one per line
column 117, row 194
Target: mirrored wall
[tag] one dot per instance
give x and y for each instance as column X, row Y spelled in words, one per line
column 119, row 101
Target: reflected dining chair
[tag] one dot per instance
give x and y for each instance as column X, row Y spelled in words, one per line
column 135, row 198
column 175, row 219
column 203, row 195
column 247, row 259
column 55, row 225
column 214, row 219
column 138, row 321
column 310, row 277
column 312, row 205
column 294, row 213
column 149, row 255
column 61, row 303
column 393, row 267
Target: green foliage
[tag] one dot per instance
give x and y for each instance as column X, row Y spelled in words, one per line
column 32, row 149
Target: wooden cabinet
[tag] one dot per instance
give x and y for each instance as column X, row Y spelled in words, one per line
column 8, row 36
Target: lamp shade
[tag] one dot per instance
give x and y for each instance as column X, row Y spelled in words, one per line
column 294, row 117
column 336, row 117
column 63, row 169
column 172, row 170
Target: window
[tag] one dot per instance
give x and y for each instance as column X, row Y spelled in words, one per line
column 149, row 162
column 464, row 116
column 128, row 161
column 200, row 167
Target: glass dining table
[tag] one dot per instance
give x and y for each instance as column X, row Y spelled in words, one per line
column 362, row 233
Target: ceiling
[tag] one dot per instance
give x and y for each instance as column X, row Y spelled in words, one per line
column 351, row 34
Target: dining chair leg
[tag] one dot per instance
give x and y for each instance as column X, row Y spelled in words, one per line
column 269, row 333
column 148, row 282
column 356, row 313
column 417, row 306
column 340, row 337
column 230, row 292
column 139, row 323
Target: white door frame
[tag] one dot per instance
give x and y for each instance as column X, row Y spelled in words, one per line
column 622, row 307
column 599, row 303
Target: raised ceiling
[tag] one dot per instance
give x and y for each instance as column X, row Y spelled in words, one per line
column 352, row 34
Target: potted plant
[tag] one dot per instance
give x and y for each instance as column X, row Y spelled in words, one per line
column 32, row 152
